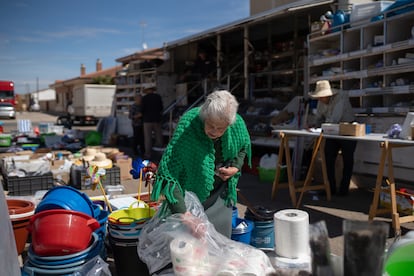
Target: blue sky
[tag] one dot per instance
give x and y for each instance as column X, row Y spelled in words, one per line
column 46, row 40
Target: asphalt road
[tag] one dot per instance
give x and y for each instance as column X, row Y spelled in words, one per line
column 35, row 118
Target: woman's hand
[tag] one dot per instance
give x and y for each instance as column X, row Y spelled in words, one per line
column 196, row 226
column 226, row 172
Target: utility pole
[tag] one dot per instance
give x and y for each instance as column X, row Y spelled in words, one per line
column 143, row 24
column 37, row 89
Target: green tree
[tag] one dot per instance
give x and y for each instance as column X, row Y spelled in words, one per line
column 103, row 80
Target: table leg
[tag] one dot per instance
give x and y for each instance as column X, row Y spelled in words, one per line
column 324, row 171
column 377, row 191
column 284, row 151
column 276, row 181
column 394, row 212
column 309, row 174
column 291, row 182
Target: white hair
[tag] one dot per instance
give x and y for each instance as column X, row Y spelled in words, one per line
column 220, row 105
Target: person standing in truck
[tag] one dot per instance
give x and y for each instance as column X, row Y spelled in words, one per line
column 152, row 107
column 135, row 115
column 69, row 117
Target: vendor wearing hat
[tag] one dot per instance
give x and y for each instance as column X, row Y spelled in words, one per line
column 334, row 107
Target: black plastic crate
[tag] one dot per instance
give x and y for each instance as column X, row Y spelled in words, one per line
column 78, row 178
column 29, row 185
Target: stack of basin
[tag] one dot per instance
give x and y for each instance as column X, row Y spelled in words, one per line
column 20, row 213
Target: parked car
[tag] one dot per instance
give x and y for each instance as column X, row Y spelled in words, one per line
column 7, row 110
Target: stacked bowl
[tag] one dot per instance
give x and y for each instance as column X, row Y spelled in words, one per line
column 126, row 224
column 124, row 228
column 20, row 213
column 67, row 230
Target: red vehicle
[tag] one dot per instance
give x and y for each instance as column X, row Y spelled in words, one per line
column 7, row 92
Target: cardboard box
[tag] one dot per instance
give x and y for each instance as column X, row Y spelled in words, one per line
column 353, row 129
column 125, row 165
column 328, row 128
column 404, row 198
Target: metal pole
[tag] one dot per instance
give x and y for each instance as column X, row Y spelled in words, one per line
column 246, row 62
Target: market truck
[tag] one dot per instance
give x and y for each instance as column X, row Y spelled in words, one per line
column 7, row 92
column 90, row 102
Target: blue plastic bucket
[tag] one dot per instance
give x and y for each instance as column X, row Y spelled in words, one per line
column 243, row 231
column 263, row 235
column 263, row 232
column 69, row 198
column 234, row 217
column 102, row 217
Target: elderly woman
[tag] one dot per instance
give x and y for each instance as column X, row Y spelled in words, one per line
column 205, row 156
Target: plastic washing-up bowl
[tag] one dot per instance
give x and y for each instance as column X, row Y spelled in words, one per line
column 61, row 232
column 69, row 198
column 54, row 261
column 131, row 215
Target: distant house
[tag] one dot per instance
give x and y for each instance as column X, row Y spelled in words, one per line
column 64, row 88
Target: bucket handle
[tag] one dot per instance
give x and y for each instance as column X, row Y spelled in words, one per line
column 126, row 220
column 249, row 205
column 137, row 203
column 93, row 224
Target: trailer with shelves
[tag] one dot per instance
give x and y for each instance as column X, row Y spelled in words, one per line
column 373, row 62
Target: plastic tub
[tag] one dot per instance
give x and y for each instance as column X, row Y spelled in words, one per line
column 55, row 261
column 235, row 214
column 127, row 261
column 131, row 215
column 262, row 236
column 125, row 233
column 69, row 198
column 243, row 230
column 102, row 218
column 61, row 232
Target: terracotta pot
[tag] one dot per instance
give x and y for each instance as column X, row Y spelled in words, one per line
column 20, row 233
column 18, row 206
column 20, row 212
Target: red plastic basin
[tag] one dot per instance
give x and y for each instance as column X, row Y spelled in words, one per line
column 60, row 232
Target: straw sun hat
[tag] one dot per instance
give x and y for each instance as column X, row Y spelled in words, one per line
column 89, row 154
column 101, row 161
column 323, row 89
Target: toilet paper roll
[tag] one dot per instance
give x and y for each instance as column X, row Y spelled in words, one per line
column 291, row 233
column 188, row 253
column 181, row 250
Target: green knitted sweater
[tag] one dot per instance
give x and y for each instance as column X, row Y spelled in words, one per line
column 188, row 161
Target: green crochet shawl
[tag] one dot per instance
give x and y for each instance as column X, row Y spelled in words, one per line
column 188, row 161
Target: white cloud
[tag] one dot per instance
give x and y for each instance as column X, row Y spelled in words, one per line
column 79, row 32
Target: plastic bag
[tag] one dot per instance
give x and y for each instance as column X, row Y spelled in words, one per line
column 165, row 239
column 394, row 131
column 269, row 161
column 94, row 267
column 319, row 244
